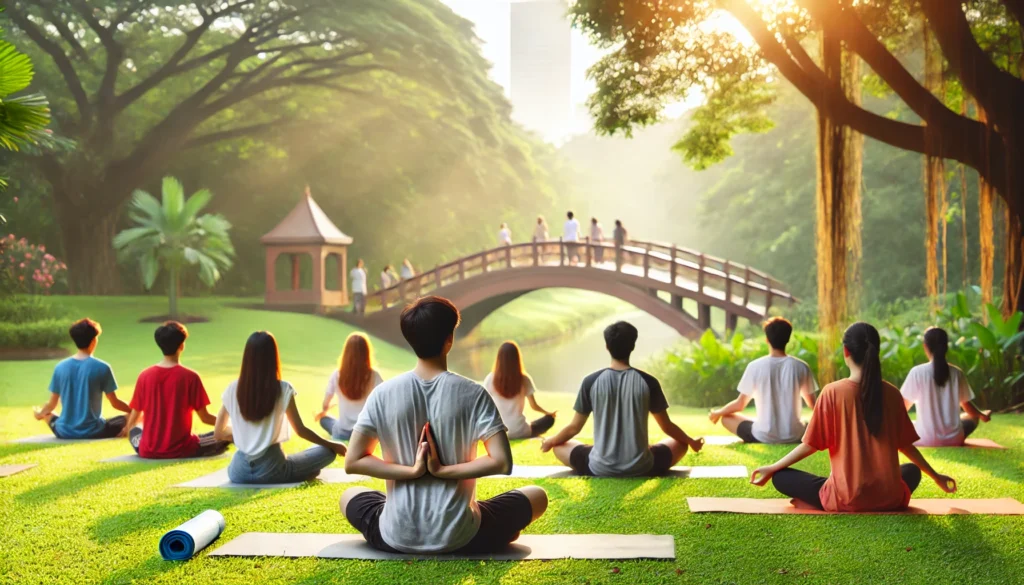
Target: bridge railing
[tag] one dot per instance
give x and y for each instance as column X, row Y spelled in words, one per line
column 666, row 263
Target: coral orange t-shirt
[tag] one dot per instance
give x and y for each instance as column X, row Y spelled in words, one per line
column 865, row 469
column 167, row 397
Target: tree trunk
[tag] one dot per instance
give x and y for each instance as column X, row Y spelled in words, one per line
column 172, row 293
column 87, row 236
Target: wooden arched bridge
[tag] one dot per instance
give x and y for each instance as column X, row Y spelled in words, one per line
column 654, row 277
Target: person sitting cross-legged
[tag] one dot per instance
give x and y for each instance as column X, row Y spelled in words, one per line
column 79, row 383
column 511, row 387
column 775, row 383
column 621, row 397
column 940, row 390
column 429, row 423
column 351, row 382
column 863, row 425
column 165, row 397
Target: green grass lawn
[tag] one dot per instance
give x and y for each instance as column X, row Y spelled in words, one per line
column 73, row 520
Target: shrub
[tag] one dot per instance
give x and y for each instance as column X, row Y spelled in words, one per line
column 31, row 323
column 28, row 268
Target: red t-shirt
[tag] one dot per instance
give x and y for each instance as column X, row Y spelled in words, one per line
column 167, row 397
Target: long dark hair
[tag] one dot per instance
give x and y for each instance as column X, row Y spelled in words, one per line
column 259, row 382
column 508, row 370
column 862, row 341
column 937, row 341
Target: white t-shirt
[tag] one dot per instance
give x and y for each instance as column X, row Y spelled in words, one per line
column 254, row 438
column 774, row 383
column 540, row 233
column 428, row 514
column 358, row 280
column 938, row 407
column 348, row 410
column 511, row 409
column 571, row 231
column 505, row 236
column 596, row 233
column 406, row 272
column 385, row 280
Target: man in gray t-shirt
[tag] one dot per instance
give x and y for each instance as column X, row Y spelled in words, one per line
column 429, row 422
column 621, row 398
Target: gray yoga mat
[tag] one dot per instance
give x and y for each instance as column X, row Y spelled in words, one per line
column 182, row 543
column 699, row 472
column 528, row 547
column 133, row 458
column 53, row 440
column 9, row 470
column 219, row 479
column 721, row 439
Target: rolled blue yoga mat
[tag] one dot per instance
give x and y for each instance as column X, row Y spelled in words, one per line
column 191, row 537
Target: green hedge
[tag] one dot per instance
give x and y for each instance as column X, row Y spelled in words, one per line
column 30, row 322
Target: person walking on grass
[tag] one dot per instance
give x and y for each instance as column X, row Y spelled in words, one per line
column 940, row 390
column 429, row 423
column 253, row 415
column 511, row 387
column 79, row 383
column 775, row 383
column 166, row 395
column 862, row 423
column 621, row 398
column 351, row 382
column 358, row 276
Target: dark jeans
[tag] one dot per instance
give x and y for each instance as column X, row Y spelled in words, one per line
column 358, row 303
column 805, row 486
column 208, row 446
column 745, row 431
column 541, row 425
column 969, row 425
column 112, row 427
column 327, row 423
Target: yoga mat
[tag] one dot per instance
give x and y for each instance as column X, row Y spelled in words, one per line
column 9, row 470
column 700, row 472
column 982, row 444
column 940, row 507
column 133, row 458
column 527, row 547
column 53, row 440
column 182, row 543
column 219, row 479
column 721, row 440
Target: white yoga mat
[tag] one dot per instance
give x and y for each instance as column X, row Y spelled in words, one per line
column 721, row 439
column 528, row 547
column 133, row 458
column 219, row 479
column 9, row 470
column 699, row 472
column 53, row 440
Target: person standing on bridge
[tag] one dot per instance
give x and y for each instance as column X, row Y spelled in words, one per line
column 358, row 276
column 511, row 387
column 621, row 398
column 571, row 235
column 596, row 237
column 619, row 235
column 775, row 383
column 540, row 235
column 504, row 235
column 407, row 271
column 387, row 280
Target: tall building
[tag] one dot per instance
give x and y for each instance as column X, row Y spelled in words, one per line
column 541, row 67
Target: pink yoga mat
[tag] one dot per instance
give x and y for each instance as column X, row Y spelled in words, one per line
column 940, row 507
column 983, row 444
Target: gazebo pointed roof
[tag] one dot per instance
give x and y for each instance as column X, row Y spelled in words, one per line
column 306, row 224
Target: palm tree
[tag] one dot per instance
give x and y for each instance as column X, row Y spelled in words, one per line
column 173, row 236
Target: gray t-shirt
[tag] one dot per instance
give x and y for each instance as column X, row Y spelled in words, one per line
column 620, row 401
column 429, row 514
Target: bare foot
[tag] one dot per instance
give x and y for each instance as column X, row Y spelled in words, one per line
column 697, row 444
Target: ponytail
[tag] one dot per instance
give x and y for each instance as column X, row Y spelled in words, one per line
column 862, row 341
column 937, row 342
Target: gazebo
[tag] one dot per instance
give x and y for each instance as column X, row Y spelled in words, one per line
column 307, row 231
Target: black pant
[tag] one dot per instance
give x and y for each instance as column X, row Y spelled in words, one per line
column 112, row 427
column 208, row 445
column 541, row 425
column 969, row 425
column 805, row 486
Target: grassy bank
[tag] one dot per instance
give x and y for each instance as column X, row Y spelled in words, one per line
column 73, row 520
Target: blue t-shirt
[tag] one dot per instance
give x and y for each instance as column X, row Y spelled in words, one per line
column 81, row 385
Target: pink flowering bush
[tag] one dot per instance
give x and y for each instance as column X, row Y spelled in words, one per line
column 28, row 268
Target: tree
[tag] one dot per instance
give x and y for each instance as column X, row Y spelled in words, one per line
column 136, row 83
column 662, row 49
column 172, row 237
